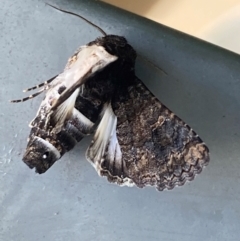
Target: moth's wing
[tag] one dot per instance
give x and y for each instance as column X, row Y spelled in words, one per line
column 140, row 141
column 85, row 63
column 105, row 153
column 58, row 104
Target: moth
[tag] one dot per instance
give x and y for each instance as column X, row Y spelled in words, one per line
column 136, row 139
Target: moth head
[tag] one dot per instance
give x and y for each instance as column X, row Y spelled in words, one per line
column 117, row 46
column 40, row 154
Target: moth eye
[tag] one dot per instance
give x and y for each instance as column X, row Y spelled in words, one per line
column 45, row 155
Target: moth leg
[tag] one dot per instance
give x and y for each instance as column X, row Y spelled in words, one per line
column 40, row 85
column 33, row 88
column 29, row 97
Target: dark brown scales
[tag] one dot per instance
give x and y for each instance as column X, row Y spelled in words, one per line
column 158, row 148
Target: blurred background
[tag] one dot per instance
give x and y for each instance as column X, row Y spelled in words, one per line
column 216, row 21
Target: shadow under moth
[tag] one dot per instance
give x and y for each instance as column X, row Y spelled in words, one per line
column 136, row 139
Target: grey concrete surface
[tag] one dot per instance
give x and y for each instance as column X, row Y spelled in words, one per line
column 70, row 201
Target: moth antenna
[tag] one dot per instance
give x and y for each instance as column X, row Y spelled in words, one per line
column 151, row 63
column 29, row 97
column 94, row 25
column 40, row 85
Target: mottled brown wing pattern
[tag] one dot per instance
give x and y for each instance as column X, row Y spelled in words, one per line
column 156, row 147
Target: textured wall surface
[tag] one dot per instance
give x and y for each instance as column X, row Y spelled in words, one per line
column 70, row 201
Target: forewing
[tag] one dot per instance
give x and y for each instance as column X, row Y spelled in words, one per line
column 140, row 141
column 85, row 63
column 62, row 93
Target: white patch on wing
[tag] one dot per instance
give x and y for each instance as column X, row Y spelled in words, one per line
column 103, row 134
column 65, row 110
column 50, row 146
column 114, row 151
column 105, row 146
column 127, row 182
column 92, row 58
